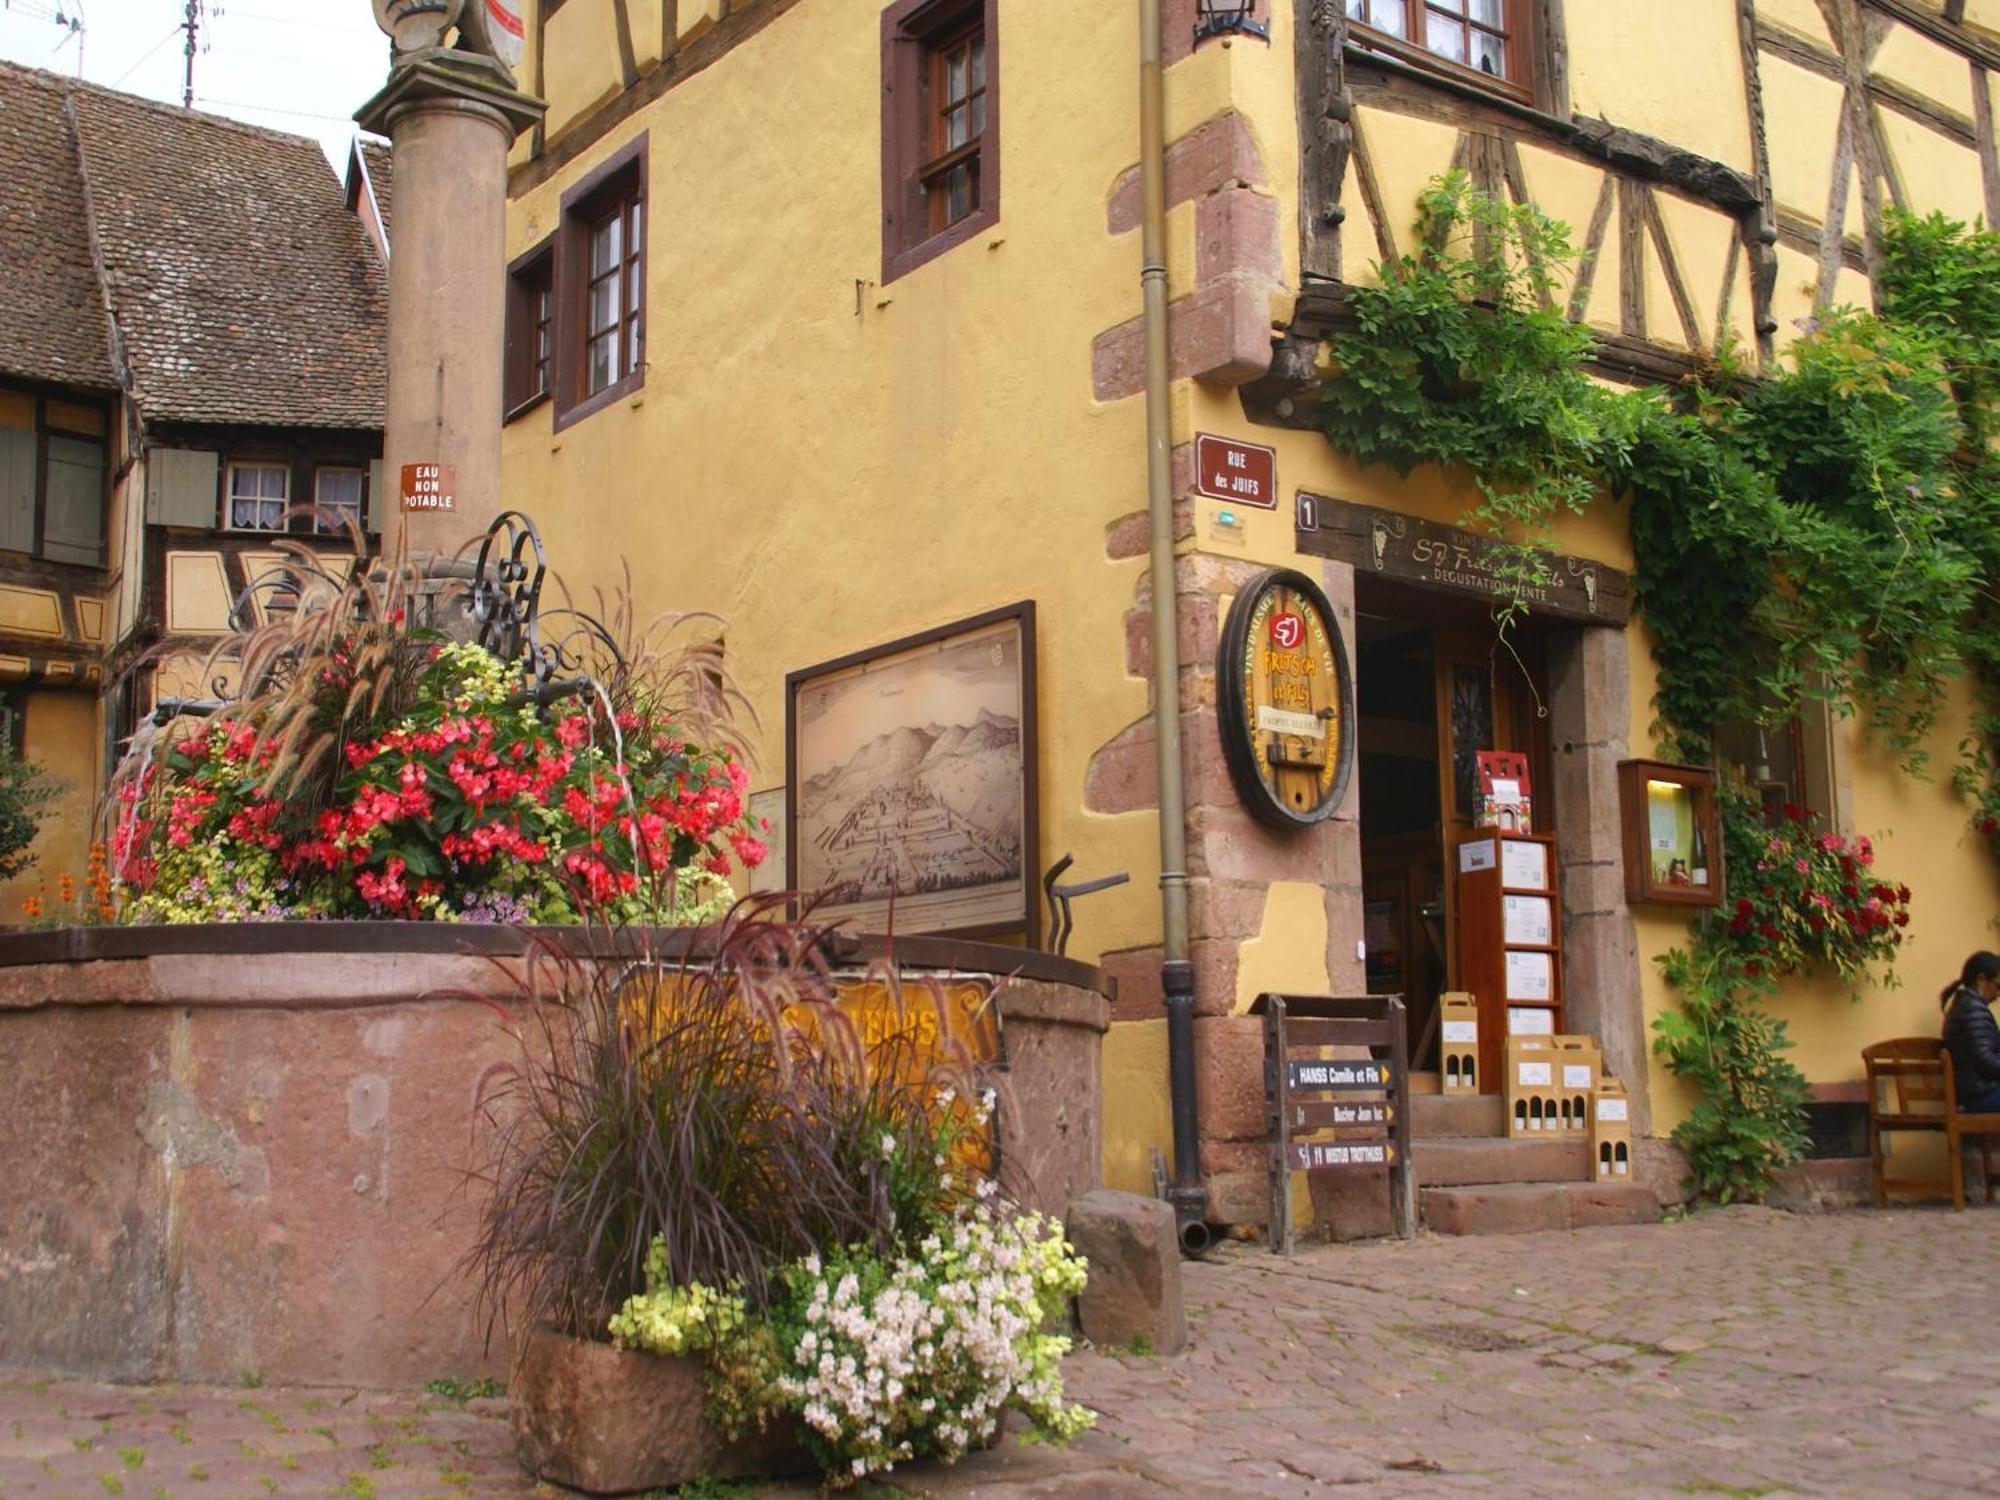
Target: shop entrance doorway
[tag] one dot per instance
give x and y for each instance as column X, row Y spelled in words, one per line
column 1435, row 683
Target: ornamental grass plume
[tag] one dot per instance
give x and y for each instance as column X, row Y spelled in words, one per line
column 701, row 1102
column 702, row 1154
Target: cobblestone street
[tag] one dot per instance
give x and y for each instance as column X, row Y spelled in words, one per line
column 1741, row 1352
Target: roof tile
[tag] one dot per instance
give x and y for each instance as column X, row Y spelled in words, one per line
column 245, row 292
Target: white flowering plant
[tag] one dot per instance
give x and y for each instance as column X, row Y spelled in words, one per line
column 887, row 1358
column 711, row 1158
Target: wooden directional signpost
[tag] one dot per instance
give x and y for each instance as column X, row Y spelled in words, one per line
column 1336, row 1094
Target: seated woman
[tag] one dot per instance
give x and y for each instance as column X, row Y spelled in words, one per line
column 1972, row 1035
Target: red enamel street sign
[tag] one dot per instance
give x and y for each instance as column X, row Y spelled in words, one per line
column 1242, row 473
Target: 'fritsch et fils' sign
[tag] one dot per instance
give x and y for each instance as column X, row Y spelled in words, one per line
column 1243, row 473
column 430, row 487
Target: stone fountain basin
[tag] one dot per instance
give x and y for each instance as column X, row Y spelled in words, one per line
column 241, row 1150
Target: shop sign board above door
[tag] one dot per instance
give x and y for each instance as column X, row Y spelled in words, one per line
column 1396, row 546
column 1285, row 698
column 1241, row 473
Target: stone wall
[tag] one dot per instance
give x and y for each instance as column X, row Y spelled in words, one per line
column 222, row 1163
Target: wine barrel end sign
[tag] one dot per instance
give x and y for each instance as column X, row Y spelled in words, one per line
column 1286, row 701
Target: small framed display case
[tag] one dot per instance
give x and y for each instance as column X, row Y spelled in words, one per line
column 1672, row 834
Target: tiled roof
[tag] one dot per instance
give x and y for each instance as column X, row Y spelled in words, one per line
column 382, row 177
column 244, row 290
column 52, row 312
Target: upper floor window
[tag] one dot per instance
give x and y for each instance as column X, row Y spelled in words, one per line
column 613, row 292
column 1488, row 38
column 940, row 128
column 958, row 122
column 53, row 477
column 337, row 496
column 531, row 328
column 258, row 495
column 577, row 306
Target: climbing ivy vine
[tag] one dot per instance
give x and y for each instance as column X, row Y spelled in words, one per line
column 1826, row 529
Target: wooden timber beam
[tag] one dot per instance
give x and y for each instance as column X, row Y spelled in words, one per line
column 1940, row 29
column 1803, row 52
column 1385, row 83
column 1289, row 395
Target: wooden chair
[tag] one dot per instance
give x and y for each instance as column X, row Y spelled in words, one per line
column 1959, row 1124
column 1910, row 1088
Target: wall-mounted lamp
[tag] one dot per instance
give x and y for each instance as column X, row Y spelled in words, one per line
column 1224, row 18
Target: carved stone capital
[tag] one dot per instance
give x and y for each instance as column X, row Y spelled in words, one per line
column 446, row 78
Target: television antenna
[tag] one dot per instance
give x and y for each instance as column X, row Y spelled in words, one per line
column 198, row 11
column 67, row 14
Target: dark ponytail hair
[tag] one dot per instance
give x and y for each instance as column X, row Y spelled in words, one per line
column 1982, row 965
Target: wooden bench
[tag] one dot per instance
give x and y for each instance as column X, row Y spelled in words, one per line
column 1911, row 1087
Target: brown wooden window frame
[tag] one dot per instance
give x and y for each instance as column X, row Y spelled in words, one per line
column 531, row 329
column 621, row 226
column 917, row 36
column 618, row 186
column 1518, row 31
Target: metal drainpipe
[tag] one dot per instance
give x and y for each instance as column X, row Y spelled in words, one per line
column 1188, row 1196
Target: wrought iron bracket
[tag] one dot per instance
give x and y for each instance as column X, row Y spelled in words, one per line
column 1061, row 922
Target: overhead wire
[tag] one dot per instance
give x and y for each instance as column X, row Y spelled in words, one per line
column 147, row 55
column 269, row 109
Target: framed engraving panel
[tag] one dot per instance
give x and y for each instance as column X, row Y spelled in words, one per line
column 910, row 781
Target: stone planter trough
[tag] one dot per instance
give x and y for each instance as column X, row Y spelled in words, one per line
column 615, row 1422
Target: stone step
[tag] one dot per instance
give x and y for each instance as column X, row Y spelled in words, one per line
column 1455, row 1161
column 1457, row 1114
column 1527, row 1207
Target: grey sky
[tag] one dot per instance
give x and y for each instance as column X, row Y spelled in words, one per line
column 302, row 66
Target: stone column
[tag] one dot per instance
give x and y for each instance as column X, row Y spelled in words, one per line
column 451, row 118
column 1590, row 709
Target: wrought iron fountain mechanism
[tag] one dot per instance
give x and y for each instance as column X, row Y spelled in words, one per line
column 499, row 609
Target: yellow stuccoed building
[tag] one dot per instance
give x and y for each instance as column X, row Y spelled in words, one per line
column 826, row 317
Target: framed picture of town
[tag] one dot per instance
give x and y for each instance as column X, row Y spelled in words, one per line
column 910, row 781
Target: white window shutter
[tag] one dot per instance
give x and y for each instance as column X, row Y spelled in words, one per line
column 17, row 489
column 181, row 487
column 73, row 524
column 379, row 499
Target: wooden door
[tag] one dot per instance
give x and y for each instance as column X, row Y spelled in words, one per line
column 1491, row 695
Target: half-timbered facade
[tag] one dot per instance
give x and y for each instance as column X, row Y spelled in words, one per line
column 191, row 366
column 827, row 317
